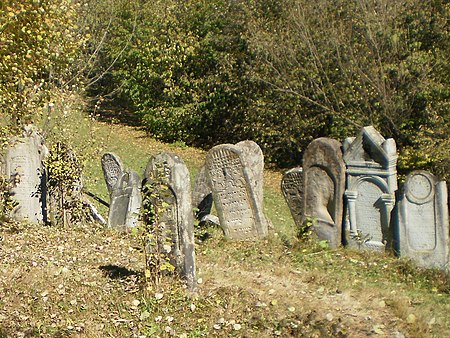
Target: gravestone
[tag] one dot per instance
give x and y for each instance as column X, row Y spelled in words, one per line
column 24, row 166
column 293, row 192
column 112, row 170
column 126, row 201
column 201, row 195
column 324, row 185
column 370, row 192
column 170, row 170
column 423, row 220
column 233, row 185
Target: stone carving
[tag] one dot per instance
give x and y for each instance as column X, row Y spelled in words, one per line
column 202, row 195
column 293, row 191
column 24, row 167
column 371, row 184
column 238, row 206
column 324, row 185
column 178, row 218
column 112, row 170
column 126, row 201
column 423, row 220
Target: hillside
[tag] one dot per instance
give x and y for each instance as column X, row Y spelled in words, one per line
column 87, row 281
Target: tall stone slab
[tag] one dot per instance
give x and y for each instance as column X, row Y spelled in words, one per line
column 112, row 170
column 126, row 201
column 423, row 220
column 292, row 188
column 24, row 166
column 370, row 192
column 178, row 216
column 233, row 185
column 324, row 186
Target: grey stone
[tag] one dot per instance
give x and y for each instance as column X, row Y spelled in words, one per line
column 202, row 199
column 370, row 192
column 178, row 218
column 324, row 185
column 24, row 167
column 112, row 169
column 210, row 220
column 253, row 159
column 423, row 220
column 232, row 182
column 126, row 201
column 293, row 192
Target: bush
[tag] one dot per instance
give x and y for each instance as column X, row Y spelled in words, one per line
column 40, row 44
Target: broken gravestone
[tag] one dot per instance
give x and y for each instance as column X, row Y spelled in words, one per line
column 292, row 188
column 324, row 185
column 233, row 185
column 169, row 170
column 24, row 166
column 370, row 192
column 112, row 170
column 423, row 220
column 126, row 201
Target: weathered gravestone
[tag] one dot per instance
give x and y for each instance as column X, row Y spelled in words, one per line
column 202, row 198
column 112, row 170
column 423, row 220
column 170, row 170
column 24, row 167
column 233, row 185
column 324, row 185
column 371, row 184
column 293, row 191
column 126, row 201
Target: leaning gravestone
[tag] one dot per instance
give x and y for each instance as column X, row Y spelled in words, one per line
column 324, row 185
column 202, row 199
column 112, row 170
column 292, row 188
column 233, row 185
column 371, row 184
column 24, row 167
column 170, row 170
column 126, row 201
column 423, row 220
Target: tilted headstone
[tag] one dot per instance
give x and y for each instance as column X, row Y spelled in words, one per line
column 24, row 167
column 126, row 201
column 202, row 199
column 324, row 185
column 370, row 192
column 178, row 217
column 238, row 205
column 423, row 220
column 112, row 170
column 293, row 192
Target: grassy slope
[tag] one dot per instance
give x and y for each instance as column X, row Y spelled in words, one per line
column 85, row 281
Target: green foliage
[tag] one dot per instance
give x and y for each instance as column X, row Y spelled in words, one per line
column 345, row 64
column 281, row 72
column 64, row 185
column 155, row 237
column 40, row 43
column 7, row 203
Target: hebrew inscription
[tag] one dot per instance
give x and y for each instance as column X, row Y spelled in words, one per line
column 232, row 193
column 292, row 188
column 112, row 170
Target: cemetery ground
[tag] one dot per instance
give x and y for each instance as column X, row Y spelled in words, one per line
column 87, row 281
